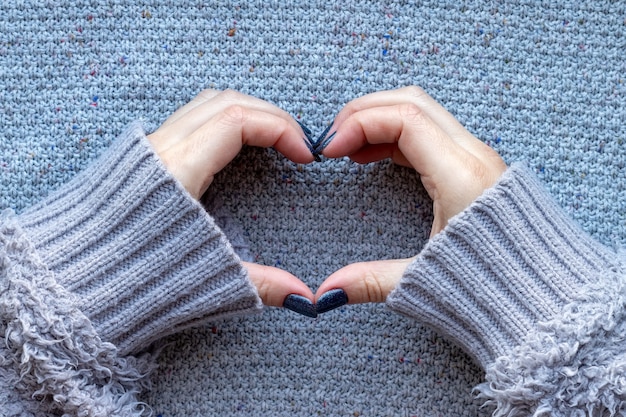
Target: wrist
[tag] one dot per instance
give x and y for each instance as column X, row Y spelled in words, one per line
column 509, row 261
column 144, row 258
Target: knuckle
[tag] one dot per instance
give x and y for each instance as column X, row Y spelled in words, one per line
column 372, row 287
column 411, row 112
column 207, row 94
column 234, row 114
column 230, row 96
column 415, row 91
column 478, row 171
column 479, row 176
column 352, row 107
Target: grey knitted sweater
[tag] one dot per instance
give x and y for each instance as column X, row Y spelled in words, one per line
column 122, row 256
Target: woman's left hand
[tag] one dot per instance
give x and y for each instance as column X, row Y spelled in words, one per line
column 411, row 128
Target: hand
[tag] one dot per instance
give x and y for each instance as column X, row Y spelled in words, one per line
column 410, row 127
column 202, row 137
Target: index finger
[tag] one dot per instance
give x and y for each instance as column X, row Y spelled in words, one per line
column 409, row 96
column 204, row 107
column 427, row 147
column 196, row 160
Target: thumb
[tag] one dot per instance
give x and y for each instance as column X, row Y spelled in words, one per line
column 366, row 282
column 274, row 285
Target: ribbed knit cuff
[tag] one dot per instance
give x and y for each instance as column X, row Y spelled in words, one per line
column 143, row 257
column 509, row 261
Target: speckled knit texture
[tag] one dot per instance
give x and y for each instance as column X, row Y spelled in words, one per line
column 544, row 83
column 531, row 296
column 143, row 257
column 510, row 261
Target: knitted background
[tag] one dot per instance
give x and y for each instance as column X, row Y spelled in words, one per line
column 543, row 82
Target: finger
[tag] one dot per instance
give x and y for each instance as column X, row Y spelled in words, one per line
column 201, row 98
column 274, row 285
column 423, row 143
column 210, row 105
column 195, row 161
column 238, row 126
column 429, row 106
column 373, row 153
column 366, row 282
column 406, row 95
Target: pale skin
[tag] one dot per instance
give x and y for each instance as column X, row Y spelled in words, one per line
column 406, row 125
column 202, row 137
column 411, row 128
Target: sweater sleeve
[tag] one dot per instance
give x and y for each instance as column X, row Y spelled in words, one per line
column 114, row 260
column 535, row 300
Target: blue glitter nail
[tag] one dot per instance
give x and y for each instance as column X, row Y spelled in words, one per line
column 321, row 146
column 308, row 144
column 322, row 141
column 316, row 146
column 323, row 135
column 308, row 140
column 308, row 135
column 300, row 304
column 330, row 300
column 305, row 129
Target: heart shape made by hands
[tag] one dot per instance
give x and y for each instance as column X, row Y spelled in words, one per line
column 334, row 298
column 328, row 301
column 317, row 146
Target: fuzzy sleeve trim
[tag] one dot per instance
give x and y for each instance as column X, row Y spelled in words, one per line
column 52, row 361
column 574, row 365
column 142, row 256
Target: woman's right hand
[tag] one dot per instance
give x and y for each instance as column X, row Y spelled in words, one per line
column 202, row 137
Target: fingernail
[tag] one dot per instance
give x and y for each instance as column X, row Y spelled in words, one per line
column 308, row 140
column 319, row 147
column 323, row 135
column 305, row 129
column 308, row 144
column 331, row 300
column 300, row 304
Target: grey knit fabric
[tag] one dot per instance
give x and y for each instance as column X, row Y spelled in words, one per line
column 509, row 262
column 144, row 259
column 121, row 256
column 541, row 82
column 52, row 360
